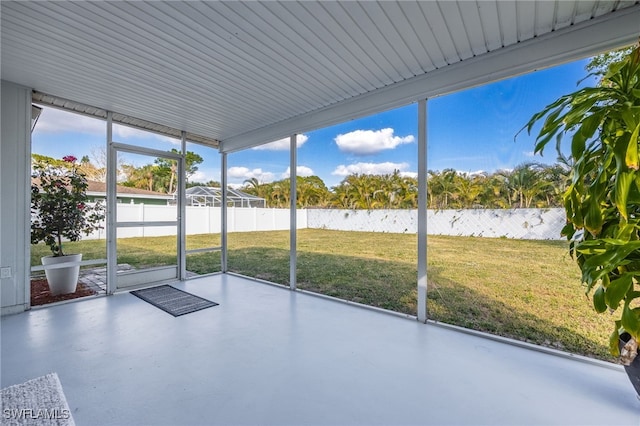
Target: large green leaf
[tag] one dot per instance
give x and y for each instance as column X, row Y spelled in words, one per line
column 598, row 300
column 617, row 289
column 578, row 143
column 613, row 69
column 597, row 265
column 624, row 233
column 631, row 158
column 631, row 320
column 623, row 186
column 579, row 109
column 572, row 207
column 614, row 339
column 633, row 143
column 590, row 125
column 593, row 216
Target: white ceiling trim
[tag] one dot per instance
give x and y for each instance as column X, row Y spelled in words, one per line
column 570, row 43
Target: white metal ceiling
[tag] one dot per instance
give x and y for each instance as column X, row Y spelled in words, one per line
column 246, row 73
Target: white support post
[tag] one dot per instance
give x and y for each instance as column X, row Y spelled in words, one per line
column 422, row 211
column 223, row 212
column 112, row 205
column 293, row 212
column 182, row 211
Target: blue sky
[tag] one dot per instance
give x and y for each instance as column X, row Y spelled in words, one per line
column 470, row 131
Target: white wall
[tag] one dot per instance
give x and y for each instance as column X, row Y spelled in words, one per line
column 15, row 148
column 392, row 220
column 536, row 224
column 523, row 224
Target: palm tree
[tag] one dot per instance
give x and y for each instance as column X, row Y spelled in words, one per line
column 469, row 189
column 443, row 187
column 495, row 193
column 526, row 183
column 280, row 193
column 312, row 191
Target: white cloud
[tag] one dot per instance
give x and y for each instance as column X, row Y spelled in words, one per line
column 371, row 169
column 282, row 144
column 245, row 173
column 529, row 154
column 300, row 171
column 53, row 120
column 367, row 142
column 205, row 176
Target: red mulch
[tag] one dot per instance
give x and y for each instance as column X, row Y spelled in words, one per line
column 40, row 294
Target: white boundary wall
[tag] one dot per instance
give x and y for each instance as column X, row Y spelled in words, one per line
column 536, row 224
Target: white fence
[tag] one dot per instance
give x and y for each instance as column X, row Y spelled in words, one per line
column 201, row 220
column 532, row 224
column 539, row 224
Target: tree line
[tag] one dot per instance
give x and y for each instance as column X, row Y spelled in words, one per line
column 526, row 186
column 159, row 176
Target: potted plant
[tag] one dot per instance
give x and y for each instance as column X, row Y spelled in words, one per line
column 602, row 201
column 60, row 211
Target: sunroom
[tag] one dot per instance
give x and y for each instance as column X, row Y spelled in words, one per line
column 233, row 76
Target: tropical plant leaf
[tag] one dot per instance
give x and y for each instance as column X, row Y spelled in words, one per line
column 632, row 149
column 599, row 300
column 616, row 290
column 623, row 186
column 603, row 196
column 613, row 69
column 614, row 340
column 624, row 234
column 578, row 143
column 593, row 217
column 631, row 320
column 590, row 125
column 631, row 158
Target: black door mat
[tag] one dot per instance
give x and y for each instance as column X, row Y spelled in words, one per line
column 172, row 300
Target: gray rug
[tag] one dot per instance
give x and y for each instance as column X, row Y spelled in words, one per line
column 39, row 401
column 173, row 300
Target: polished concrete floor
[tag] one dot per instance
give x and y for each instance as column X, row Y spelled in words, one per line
column 268, row 356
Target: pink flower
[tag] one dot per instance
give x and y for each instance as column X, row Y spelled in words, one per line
column 69, row 159
column 80, row 206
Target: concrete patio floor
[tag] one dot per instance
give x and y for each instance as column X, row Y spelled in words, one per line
column 269, row 356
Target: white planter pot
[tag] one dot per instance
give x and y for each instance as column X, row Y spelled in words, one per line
column 65, row 279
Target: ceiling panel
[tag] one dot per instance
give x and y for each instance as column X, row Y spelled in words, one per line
column 473, row 26
column 246, row 73
column 564, row 14
column 457, row 30
column 491, row 31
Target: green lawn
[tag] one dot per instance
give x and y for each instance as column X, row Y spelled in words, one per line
column 528, row 290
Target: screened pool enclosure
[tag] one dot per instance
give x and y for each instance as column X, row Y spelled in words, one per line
column 208, row 196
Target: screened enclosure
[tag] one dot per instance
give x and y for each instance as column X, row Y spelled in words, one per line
column 207, row 196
